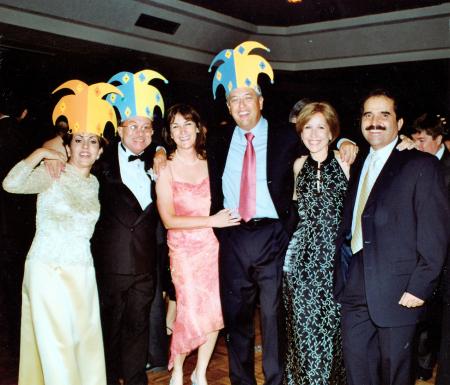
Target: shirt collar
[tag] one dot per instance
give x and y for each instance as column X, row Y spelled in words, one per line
column 125, row 151
column 257, row 130
column 440, row 153
column 383, row 153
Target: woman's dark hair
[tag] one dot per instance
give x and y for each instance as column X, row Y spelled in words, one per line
column 67, row 138
column 189, row 113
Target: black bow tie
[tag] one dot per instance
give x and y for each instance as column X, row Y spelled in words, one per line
column 131, row 158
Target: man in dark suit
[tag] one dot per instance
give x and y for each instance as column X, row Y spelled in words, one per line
column 17, row 217
column 428, row 133
column 390, row 249
column 124, row 241
column 250, row 169
column 251, row 255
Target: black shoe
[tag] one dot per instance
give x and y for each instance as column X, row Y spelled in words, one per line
column 424, row 374
column 154, row 369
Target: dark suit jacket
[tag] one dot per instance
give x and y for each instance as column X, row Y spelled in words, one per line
column 124, row 240
column 445, row 163
column 405, row 226
column 282, row 150
column 17, row 211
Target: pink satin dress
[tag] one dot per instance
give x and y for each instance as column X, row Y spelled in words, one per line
column 194, row 267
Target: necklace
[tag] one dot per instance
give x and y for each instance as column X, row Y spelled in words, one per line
column 186, row 162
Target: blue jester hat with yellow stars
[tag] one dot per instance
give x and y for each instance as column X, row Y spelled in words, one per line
column 239, row 69
column 139, row 98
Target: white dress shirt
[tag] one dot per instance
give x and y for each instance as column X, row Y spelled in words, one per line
column 440, row 153
column 134, row 176
column 381, row 157
column 231, row 179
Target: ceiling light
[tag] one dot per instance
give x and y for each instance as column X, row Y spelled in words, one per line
column 294, row 1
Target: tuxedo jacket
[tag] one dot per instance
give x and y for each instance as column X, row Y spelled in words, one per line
column 282, row 150
column 405, row 226
column 124, row 240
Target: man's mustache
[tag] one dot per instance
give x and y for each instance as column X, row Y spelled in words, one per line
column 377, row 127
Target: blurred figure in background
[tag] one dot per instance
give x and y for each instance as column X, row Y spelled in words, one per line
column 17, row 215
column 428, row 133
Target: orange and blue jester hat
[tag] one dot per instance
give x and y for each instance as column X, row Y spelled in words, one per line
column 85, row 110
column 239, row 69
column 139, row 98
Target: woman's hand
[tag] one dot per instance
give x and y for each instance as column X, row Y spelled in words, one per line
column 225, row 218
column 159, row 161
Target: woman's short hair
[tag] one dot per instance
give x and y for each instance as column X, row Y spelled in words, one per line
column 328, row 112
column 189, row 113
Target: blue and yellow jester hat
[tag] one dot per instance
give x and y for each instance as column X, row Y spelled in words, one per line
column 239, row 69
column 85, row 109
column 139, row 98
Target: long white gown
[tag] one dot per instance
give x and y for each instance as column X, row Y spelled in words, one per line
column 61, row 338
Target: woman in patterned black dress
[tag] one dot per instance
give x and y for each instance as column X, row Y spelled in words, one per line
column 314, row 353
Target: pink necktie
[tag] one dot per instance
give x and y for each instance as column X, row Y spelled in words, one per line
column 247, row 199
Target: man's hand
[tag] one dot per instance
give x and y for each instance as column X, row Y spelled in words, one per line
column 348, row 151
column 159, row 161
column 406, row 143
column 409, row 300
column 54, row 167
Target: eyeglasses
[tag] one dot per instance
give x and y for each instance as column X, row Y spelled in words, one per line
column 246, row 99
column 147, row 128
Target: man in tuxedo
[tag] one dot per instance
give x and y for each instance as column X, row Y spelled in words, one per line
column 124, row 248
column 124, row 240
column 391, row 249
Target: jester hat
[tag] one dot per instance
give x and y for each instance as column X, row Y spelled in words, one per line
column 239, row 69
column 139, row 98
column 85, row 109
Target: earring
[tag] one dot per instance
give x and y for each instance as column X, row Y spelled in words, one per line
column 197, row 131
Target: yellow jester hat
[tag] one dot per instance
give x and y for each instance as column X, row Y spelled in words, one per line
column 139, row 98
column 239, row 69
column 85, row 110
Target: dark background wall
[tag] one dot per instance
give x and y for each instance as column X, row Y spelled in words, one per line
column 421, row 86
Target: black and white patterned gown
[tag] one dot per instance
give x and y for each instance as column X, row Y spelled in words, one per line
column 314, row 351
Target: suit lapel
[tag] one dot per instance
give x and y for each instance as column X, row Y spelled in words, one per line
column 225, row 148
column 355, row 174
column 270, row 162
column 384, row 180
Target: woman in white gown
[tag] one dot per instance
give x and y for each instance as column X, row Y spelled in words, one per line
column 61, row 337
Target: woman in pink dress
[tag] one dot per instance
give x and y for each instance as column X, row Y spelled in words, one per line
column 184, row 204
